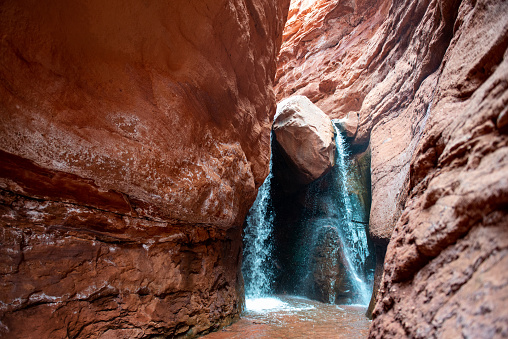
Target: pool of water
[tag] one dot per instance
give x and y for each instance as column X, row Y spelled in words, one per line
column 296, row 317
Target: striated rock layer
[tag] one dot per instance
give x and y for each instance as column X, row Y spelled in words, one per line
column 133, row 137
column 428, row 81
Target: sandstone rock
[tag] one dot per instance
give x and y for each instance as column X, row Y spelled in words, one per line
column 328, row 271
column 305, row 134
column 133, row 137
column 446, row 258
column 428, row 81
column 347, row 125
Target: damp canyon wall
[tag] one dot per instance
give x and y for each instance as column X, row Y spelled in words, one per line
column 426, row 83
column 133, row 138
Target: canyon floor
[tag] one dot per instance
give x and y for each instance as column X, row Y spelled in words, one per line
column 296, row 317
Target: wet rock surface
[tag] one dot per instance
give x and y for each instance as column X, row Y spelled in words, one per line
column 311, row 230
column 428, row 81
column 59, row 280
column 133, row 137
column 329, row 274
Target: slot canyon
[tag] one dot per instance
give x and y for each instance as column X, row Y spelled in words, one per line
column 164, row 164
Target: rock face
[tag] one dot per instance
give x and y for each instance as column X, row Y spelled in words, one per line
column 133, row 137
column 429, row 82
column 328, row 272
column 347, row 125
column 305, row 135
column 449, row 250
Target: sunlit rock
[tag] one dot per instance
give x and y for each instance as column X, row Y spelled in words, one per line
column 305, row 135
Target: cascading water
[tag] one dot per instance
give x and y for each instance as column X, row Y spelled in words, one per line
column 353, row 234
column 319, row 248
column 333, row 250
column 258, row 245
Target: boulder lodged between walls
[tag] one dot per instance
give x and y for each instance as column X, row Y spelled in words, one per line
column 305, row 192
column 133, row 136
column 428, row 81
column 306, row 137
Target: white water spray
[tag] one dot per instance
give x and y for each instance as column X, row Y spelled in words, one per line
column 354, row 238
column 258, row 246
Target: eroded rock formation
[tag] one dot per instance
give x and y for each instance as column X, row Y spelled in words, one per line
column 133, row 137
column 429, row 83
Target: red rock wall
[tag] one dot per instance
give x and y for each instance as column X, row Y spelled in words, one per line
column 133, row 137
column 429, row 83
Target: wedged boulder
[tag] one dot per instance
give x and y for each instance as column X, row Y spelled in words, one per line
column 305, row 135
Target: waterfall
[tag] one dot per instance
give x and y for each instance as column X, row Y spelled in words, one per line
column 258, row 246
column 321, row 251
column 334, row 249
column 352, row 233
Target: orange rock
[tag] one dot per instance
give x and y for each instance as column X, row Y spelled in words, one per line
column 133, row 136
column 428, row 82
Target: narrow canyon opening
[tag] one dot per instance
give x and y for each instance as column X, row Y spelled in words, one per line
column 370, row 138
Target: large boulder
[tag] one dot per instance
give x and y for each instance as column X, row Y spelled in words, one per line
column 305, row 134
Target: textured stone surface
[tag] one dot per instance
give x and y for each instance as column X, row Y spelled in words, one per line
column 305, row 135
column 61, row 281
column 133, row 136
column 347, row 125
column 428, row 80
column 445, row 269
column 329, row 278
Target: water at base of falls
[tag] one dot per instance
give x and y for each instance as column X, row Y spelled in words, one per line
column 263, row 304
column 297, row 317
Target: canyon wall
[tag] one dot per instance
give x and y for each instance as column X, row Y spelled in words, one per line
column 427, row 82
column 133, row 137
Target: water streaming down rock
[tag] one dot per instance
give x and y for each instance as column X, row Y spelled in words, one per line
column 319, row 250
column 333, row 257
column 353, row 233
column 258, row 244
